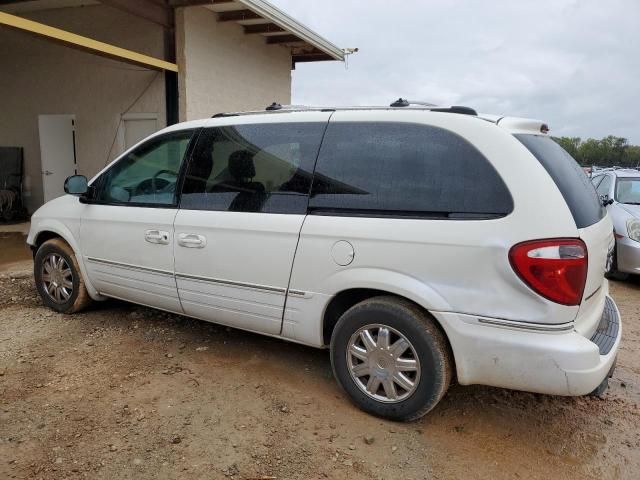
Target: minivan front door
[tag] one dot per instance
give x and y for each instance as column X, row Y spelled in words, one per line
column 127, row 231
column 242, row 207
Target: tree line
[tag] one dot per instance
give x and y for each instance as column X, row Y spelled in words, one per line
column 607, row 152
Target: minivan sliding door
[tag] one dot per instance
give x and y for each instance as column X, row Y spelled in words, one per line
column 243, row 204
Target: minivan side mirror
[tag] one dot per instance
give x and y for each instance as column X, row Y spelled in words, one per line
column 76, row 185
column 606, row 201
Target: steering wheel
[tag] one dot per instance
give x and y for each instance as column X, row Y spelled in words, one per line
column 154, row 184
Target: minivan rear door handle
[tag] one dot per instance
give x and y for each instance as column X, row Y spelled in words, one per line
column 192, row 240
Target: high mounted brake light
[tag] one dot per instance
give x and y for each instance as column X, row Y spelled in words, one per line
column 554, row 268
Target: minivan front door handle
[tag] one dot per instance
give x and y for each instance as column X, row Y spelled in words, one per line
column 192, row 240
column 157, row 236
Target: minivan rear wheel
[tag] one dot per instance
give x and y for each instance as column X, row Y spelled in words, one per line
column 391, row 358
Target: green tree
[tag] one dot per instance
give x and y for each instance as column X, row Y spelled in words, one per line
column 607, row 152
column 632, row 156
column 570, row 144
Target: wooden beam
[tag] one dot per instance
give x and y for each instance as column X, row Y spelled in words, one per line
column 277, row 39
column 85, row 43
column 147, row 9
column 237, row 15
column 263, row 28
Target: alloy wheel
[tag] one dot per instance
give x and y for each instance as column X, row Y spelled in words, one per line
column 57, row 278
column 383, row 363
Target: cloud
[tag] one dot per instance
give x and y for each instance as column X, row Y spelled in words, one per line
column 571, row 63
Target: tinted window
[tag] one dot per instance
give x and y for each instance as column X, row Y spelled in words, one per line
column 147, row 175
column 253, row 168
column 605, row 186
column 405, row 169
column 574, row 185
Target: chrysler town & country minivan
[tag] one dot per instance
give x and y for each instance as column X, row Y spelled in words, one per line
column 419, row 244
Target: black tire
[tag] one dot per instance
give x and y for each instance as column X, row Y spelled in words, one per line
column 79, row 297
column 427, row 340
column 613, row 273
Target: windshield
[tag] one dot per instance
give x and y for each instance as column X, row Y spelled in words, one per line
column 628, row 190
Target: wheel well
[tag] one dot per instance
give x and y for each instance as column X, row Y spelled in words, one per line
column 346, row 299
column 342, row 302
column 41, row 238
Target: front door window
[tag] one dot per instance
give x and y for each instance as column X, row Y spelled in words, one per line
column 148, row 175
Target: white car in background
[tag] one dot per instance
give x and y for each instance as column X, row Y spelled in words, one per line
column 619, row 191
column 417, row 243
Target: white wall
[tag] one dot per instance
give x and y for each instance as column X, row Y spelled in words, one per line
column 223, row 70
column 41, row 77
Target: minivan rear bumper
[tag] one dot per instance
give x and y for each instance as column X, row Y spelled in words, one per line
column 554, row 363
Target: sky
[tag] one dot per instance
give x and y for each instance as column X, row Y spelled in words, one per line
column 574, row 64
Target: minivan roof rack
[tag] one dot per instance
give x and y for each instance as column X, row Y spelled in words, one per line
column 276, row 107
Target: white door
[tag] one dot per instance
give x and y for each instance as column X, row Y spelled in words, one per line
column 242, row 207
column 126, row 232
column 137, row 127
column 57, row 152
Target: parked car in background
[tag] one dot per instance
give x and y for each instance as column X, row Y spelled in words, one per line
column 619, row 191
column 417, row 243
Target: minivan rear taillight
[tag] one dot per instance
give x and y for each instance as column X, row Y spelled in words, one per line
column 554, row 268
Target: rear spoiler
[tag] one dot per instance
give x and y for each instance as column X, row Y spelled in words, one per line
column 518, row 125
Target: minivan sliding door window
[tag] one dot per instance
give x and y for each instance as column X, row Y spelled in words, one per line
column 263, row 168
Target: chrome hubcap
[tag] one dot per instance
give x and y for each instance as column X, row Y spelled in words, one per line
column 57, row 278
column 383, row 363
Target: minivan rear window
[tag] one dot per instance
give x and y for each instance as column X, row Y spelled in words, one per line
column 573, row 183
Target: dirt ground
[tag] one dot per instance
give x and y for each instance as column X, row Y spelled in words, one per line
column 122, row 391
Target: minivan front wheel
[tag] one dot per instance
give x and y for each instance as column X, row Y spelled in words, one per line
column 58, row 278
column 391, row 358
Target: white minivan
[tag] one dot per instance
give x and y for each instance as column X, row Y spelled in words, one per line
column 418, row 243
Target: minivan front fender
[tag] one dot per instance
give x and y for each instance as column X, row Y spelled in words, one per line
column 43, row 226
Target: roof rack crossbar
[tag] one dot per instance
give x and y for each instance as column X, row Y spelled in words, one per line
column 403, row 103
column 456, row 109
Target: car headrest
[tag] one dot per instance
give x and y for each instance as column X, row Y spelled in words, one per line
column 241, row 165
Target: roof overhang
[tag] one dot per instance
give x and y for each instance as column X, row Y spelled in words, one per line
column 84, row 43
column 259, row 17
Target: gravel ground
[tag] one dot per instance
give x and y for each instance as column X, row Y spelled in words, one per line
column 122, row 391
